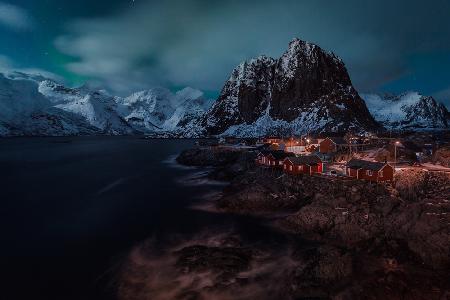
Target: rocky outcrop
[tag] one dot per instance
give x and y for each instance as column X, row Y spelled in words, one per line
column 346, row 238
column 414, row 210
column 306, row 89
column 227, row 164
column 355, row 213
column 259, row 194
column 442, row 156
column 226, row 267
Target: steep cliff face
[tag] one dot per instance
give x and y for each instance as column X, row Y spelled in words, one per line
column 306, row 89
column 244, row 97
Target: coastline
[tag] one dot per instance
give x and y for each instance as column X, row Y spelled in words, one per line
column 396, row 240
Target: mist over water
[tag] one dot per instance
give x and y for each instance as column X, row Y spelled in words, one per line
column 149, row 273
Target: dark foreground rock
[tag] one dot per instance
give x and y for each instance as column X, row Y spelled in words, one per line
column 227, row 163
column 228, row 261
column 352, row 213
column 228, row 268
column 375, row 241
column 254, row 193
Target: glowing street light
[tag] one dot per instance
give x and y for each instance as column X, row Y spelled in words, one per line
column 395, row 153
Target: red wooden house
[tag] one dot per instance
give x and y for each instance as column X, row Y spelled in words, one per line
column 307, row 164
column 368, row 170
column 332, row 144
column 272, row 158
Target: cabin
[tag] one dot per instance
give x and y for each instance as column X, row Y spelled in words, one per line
column 272, row 158
column 307, row 164
column 261, row 157
column 273, row 140
column 368, row 170
column 332, row 144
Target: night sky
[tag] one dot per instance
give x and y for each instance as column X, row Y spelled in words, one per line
column 126, row 45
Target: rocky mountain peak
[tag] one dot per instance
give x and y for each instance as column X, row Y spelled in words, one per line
column 305, row 89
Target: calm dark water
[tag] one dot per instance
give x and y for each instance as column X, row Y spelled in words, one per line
column 72, row 208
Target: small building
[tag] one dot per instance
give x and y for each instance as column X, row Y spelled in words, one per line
column 332, row 144
column 368, row 170
column 273, row 140
column 272, row 158
column 295, row 145
column 261, row 156
column 307, row 164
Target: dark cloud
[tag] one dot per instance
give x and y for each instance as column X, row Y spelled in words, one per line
column 197, row 43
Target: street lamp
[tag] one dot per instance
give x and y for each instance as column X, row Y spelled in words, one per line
column 395, row 153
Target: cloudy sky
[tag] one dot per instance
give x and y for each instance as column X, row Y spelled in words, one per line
column 126, row 45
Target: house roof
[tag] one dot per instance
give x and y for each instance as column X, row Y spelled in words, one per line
column 280, row 154
column 277, row 154
column 305, row 160
column 268, row 151
column 366, row 165
column 338, row 140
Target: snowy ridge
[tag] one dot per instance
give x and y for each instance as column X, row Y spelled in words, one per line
column 31, row 105
column 311, row 120
column 410, row 110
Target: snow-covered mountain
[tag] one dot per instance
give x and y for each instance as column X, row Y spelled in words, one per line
column 34, row 105
column 25, row 111
column 190, row 106
column 159, row 110
column 306, row 90
column 408, row 111
column 98, row 108
column 147, row 110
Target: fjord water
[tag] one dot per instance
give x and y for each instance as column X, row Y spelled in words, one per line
column 72, row 208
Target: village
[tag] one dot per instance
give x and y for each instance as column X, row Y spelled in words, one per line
column 371, row 158
column 373, row 198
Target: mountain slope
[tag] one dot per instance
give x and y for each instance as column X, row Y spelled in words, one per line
column 34, row 105
column 408, row 111
column 190, row 105
column 25, row 111
column 306, row 89
column 98, row 108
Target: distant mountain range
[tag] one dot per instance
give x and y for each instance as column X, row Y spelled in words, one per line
column 408, row 111
column 38, row 106
column 305, row 90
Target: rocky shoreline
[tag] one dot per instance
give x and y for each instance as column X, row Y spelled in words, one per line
column 365, row 241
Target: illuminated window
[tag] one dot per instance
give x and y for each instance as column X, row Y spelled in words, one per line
column 290, row 168
column 380, row 173
column 369, row 173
